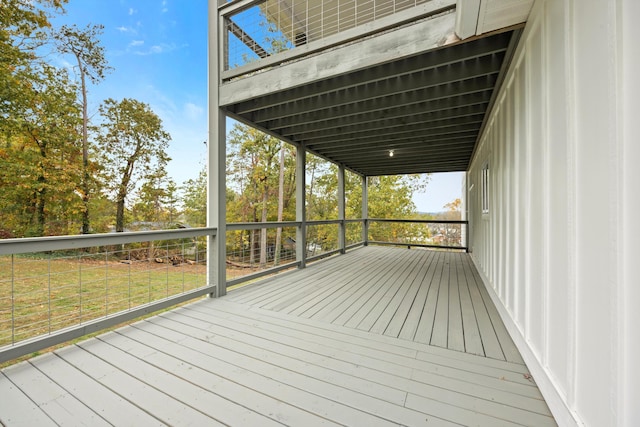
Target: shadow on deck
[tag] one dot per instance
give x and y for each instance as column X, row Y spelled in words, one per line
column 380, row 336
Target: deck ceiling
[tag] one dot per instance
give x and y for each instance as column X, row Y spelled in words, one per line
column 427, row 108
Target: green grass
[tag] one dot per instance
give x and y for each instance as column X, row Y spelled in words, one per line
column 39, row 296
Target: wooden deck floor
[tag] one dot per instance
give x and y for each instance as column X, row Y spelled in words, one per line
column 246, row 359
column 426, row 296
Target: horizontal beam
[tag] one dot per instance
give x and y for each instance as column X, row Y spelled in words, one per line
column 246, row 39
column 58, row 243
column 419, row 221
column 426, row 161
column 415, row 88
column 391, row 126
column 370, row 29
column 417, row 144
column 417, row 245
column 399, row 68
column 236, row 226
column 396, row 133
column 398, row 115
column 403, row 42
column 262, row 273
column 404, row 156
column 38, row 343
column 369, row 112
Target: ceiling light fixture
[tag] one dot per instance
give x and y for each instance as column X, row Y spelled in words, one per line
column 390, row 153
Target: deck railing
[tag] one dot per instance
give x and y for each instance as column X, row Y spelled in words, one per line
column 54, row 289
column 254, row 250
column 439, row 234
column 264, row 33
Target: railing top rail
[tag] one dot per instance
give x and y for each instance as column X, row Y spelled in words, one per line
column 323, row 221
column 423, row 221
column 259, row 225
column 276, row 224
column 56, row 243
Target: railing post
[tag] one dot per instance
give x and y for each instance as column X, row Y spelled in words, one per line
column 365, row 211
column 216, row 161
column 301, row 209
column 342, row 231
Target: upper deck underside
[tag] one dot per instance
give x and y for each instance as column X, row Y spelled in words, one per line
column 412, row 88
column 242, row 360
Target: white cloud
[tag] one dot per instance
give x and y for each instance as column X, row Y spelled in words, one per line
column 165, row 9
column 136, row 43
column 127, row 30
column 159, row 49
column 132, row 11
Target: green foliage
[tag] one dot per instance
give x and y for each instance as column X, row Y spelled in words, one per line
column 194, row 200
column 252, row 173
column 134, row 144
column 253, row 170
column 22, row 31
column 84, row 46
column 156, row 200
column 39, row 158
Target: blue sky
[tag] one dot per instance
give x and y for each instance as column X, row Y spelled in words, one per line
column 158, row 51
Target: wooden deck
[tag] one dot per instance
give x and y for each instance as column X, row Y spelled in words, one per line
column 426, row 296
column 343, row 342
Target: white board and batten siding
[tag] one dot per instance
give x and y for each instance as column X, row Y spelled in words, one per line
column 558, row 246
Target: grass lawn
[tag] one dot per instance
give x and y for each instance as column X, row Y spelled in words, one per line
column 40, row 295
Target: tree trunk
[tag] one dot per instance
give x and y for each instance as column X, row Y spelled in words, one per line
column 119, row 214
column 40, row 208
column 85, row 153
column 263, row 232
column 276, row 255
column 122, row 195
column 252, row 247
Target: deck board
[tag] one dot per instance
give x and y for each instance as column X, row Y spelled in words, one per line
column 295, row 350
column 431, row 297
column 61, row 406
column 17, row 407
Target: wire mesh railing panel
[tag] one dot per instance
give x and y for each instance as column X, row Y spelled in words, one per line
column 44, row 292
column 252, row 251
column 274, row 26
column 449, row 235
column 353, row 233
column 322, row 239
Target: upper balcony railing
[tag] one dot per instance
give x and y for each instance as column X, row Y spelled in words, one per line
column 256, row 32
column 54, row 289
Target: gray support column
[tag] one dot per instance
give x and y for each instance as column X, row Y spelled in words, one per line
column 342, row 232
column 365, row 211
column 216, row 162
column 301, row 209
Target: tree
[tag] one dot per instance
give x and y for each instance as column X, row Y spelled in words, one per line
column 22, row 31
column 276, row 259
column 253, row 171
column 89, row 54
column 451, row 233
column 454, row 208
column 134, row 144
column 40, row 156
column 194, row 200
column 156, row 200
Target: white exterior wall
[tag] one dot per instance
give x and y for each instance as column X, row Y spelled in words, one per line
column 558, row 248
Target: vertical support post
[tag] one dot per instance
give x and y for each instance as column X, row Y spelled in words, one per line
column 216, row 162
column 365, row 210
column 301, row 208
column 465, row 212
column 342, row 232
